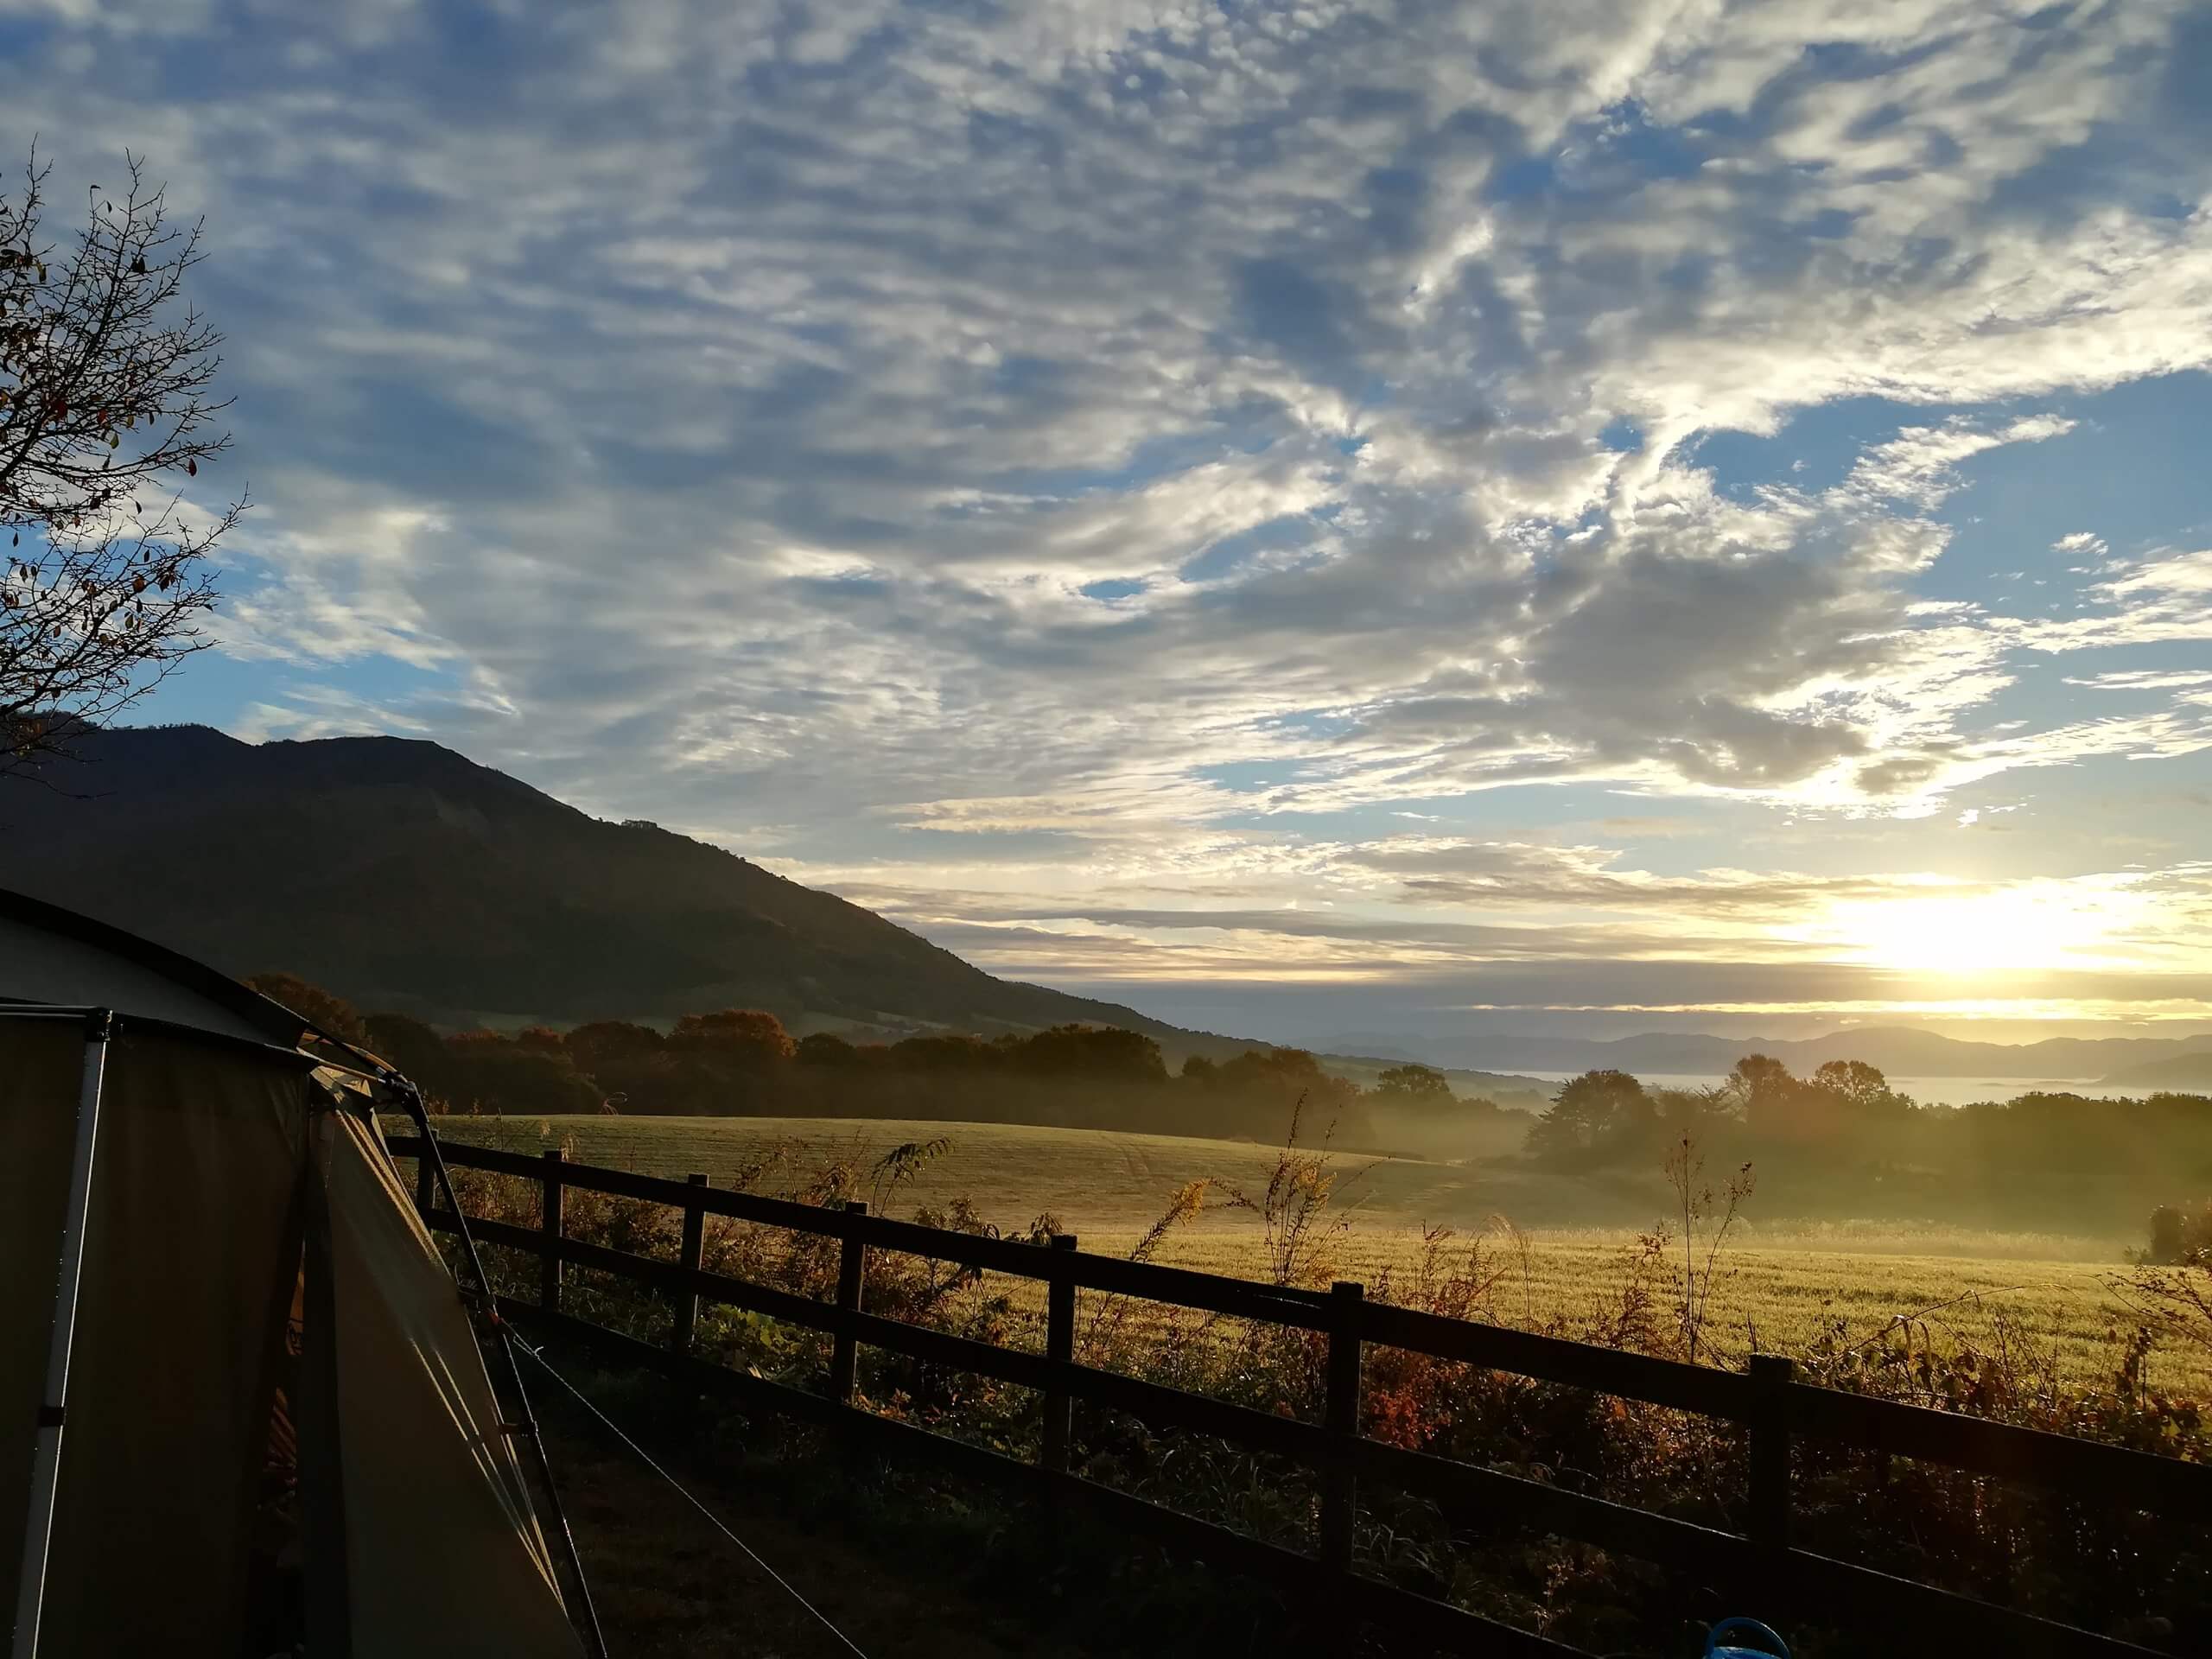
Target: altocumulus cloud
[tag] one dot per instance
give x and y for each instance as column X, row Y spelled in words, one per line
column 1152, row 449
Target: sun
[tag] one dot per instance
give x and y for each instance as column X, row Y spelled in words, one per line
column 2027, row 928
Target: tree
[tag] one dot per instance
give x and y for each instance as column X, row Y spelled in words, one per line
column 487, row 1072
column 745, row 1035
column 410, row 1045
column 1596, row 1115
column 826, row 1048
column 104, row 417
column 602, row 1043
column 1415, row 1085
column 1257, row 1092
column 1092, row 1053
column 1861, row 1087
column 1770, row 1094
column 312, row 1004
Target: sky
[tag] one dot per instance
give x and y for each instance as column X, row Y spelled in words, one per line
column 1393, row 522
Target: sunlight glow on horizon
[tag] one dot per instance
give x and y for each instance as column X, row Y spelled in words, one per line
column 2038, row 926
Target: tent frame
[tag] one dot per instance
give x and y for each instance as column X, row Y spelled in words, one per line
column 61, row 1335
column 525, row 1423
column 101, row 1026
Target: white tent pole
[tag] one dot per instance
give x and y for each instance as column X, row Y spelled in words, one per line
column 46, row 1468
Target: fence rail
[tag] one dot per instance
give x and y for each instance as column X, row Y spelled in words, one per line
column 1774, row 1409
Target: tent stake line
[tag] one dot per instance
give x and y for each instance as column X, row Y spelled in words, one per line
column 525, row 1426
column 46, row 1467
column 719, row 1524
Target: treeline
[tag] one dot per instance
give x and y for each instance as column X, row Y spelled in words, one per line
column 1843, row 1137
column 740, row 1062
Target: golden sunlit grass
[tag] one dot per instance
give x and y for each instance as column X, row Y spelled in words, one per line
column 1784, row 1283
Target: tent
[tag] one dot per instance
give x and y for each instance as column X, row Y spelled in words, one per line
column 248, row 1412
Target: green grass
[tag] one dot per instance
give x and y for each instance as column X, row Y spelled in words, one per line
column 1783, row 1283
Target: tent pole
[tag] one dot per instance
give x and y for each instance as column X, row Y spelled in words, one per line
column 527, row 1418
column 46, row 1467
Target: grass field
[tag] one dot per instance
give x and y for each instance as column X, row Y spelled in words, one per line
column 1788, row 1281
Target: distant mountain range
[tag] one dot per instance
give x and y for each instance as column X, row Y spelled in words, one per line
column 1901, row 1051
column 2191, row 1073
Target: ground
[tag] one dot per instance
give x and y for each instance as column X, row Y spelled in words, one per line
column 666, row 1583
column 1785, row 1281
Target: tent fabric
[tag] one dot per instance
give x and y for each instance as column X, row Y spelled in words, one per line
column 192, row 1249
column 57, row 957
column 214, row 1157
column 40, row 1062
column 444, row 1556
column 240, row 1196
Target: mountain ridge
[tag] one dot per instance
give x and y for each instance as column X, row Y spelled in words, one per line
column 412, row 841
column 409, row 879
column 2190, row 1072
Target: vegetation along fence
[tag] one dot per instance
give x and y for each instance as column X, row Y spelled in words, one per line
column 1760, row 1568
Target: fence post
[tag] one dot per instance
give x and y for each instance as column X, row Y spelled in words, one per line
column 1059, row 1352
column 852, row 1269
column 549, row 1225
column 1772, row 1375
column 695, row 1243
column 426, row 1177
column 1339, row 1489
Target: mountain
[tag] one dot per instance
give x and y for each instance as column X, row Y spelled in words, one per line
column 408, row 879
column 1902, row 1050
column 2191, row 1073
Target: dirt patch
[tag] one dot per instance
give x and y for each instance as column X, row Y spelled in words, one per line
column 667, row 1583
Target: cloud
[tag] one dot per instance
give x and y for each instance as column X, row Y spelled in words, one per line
column 1920, row 465
column 1113, row 436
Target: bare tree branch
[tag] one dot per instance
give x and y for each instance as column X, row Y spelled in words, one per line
column 106, row 417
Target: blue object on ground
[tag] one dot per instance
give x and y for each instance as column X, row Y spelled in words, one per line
column 1773, row 1646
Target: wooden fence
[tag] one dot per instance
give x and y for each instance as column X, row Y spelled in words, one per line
column 1761, row 1567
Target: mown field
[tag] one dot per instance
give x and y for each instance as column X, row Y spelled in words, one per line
column 1551, row 1247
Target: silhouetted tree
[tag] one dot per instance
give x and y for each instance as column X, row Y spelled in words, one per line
column 1105, row 1054
column 1413, row 1085
column 1862, row 1088
column 105, row 415
column 487, row 1072
column 827, row 1049
column 745, row 1035
column 312, row 1004
column 410, row 1045
column 1597, row 1116
column 608, row 1042
column 1768, row 1092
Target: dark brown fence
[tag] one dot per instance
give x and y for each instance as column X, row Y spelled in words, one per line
column 1761, row 1567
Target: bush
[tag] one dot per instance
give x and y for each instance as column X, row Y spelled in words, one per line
column 2179, row 1234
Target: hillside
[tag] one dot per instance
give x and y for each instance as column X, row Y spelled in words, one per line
column 403, row 876
column 407, row 878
